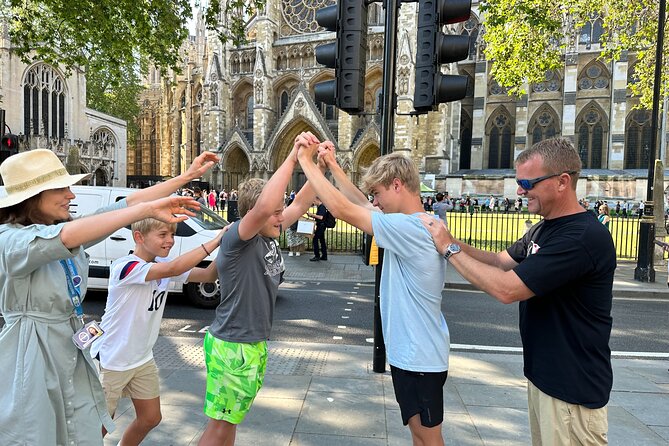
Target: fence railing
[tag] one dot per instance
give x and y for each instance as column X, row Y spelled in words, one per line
column 491, row 231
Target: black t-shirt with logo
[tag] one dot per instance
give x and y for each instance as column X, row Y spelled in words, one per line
column 568, row 263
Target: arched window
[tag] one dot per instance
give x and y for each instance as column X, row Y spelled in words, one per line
column 104, row 142
column 471, row 29
column 214, row 95
column 249, row 113
column 376, row 15
column 593, row 77
column 591, row 136
column 495, row 89
column 551, row 83
column 637, row 139
column 284, row 102
column 544, row 125
column 182, row 101
column 592, row 31
column 500, row 137
column 44, row 102
column 465, row 141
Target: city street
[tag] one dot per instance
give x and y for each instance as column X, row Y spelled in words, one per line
column 341, row 313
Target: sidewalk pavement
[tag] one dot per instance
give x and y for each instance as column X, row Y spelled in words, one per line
column 325, row 395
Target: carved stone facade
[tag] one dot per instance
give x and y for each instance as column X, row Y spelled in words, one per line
column 249, row 103
column 47, row 110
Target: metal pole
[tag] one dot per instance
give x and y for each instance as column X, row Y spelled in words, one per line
column 387, row 138
column 644, row 271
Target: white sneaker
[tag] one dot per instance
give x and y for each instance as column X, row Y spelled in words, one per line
column 297, row 254
column 290, row 254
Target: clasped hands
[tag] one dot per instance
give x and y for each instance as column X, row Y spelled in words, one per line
column 307, row 146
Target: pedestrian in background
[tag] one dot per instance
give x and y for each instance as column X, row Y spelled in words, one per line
column 603, row 216
column 212, row 200
column 294, row 240
column 561, row 272
column 441, row 206
column 51, row 393
column 320, row 245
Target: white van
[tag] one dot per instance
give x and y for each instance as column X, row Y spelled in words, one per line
column 190, row 234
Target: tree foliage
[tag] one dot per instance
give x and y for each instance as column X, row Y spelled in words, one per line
column 109, row 38
column 526, row 38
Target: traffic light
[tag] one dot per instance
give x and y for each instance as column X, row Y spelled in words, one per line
column 9, row 145
column 435, row 48
column 347, row 55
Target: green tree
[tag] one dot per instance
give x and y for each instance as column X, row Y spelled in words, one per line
column 108, row 39
column 526, row 38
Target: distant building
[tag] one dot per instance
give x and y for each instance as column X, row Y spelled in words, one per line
column 249, row 103
column 48, row 110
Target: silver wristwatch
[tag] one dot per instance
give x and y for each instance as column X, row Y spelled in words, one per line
column 451, row 250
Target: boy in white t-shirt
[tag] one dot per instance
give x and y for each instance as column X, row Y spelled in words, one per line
column 138, row 286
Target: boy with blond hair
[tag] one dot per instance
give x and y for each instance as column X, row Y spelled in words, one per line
column 414, row 329
column 138, row 286
column 249, row 267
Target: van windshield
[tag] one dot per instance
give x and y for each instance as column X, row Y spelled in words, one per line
column 209, row 219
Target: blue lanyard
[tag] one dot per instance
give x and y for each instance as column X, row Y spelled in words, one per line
column 73, row 284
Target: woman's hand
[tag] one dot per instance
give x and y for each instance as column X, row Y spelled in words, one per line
column 173, row 209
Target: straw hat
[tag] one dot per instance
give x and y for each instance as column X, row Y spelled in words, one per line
column 28, row 173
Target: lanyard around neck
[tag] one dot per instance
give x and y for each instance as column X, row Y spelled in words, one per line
column 73, row 287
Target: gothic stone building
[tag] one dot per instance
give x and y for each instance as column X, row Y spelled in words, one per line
column 47, row 109
column 249, row 102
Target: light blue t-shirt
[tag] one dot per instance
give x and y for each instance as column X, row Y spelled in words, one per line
column 414, row 329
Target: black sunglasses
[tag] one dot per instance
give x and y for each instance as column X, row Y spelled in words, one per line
column 529, row 184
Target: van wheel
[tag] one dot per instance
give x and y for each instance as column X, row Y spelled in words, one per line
column 203, row 295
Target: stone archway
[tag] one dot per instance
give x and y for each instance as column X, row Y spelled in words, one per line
column 100, row 178
column 364, row 158
column 284, row 145
column 235, row 168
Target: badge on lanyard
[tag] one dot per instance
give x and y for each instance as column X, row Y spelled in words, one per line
column 86, row 335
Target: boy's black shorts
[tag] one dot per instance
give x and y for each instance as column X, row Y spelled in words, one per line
column 420, row 393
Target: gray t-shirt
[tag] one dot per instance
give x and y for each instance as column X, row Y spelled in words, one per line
column 249, row 272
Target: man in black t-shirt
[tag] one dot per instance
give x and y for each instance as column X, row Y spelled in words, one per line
column 561, row 272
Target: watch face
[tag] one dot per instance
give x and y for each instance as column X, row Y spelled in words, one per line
column 453, row 248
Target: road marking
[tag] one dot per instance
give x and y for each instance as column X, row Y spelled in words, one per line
column 344, row 317
column 347, row 309
column 186, row 329
column 642, row 299
column 337, row 338
column 370, row 340
column 497, row 348
column 341, row 326
column 349, row 303
column 356, row 287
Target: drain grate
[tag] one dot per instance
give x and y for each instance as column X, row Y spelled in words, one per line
column 282, row 361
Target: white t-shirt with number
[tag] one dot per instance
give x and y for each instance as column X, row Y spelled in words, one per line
column 134, row 309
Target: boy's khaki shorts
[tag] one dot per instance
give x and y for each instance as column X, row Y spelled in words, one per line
column 140, row 383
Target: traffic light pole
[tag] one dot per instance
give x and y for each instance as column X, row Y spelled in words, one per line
column 644, row 271
column 387, row 139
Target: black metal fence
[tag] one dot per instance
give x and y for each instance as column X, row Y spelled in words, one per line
column 492, row 231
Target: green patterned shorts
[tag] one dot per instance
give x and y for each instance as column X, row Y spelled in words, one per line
column 235, row 373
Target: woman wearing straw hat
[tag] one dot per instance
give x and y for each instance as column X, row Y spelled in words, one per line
column 50, row 393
